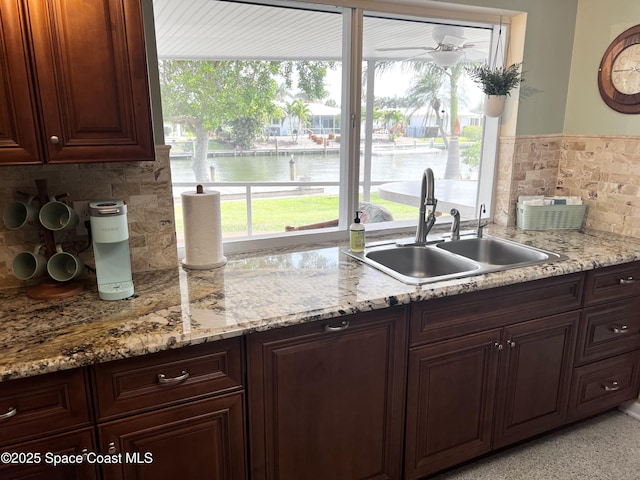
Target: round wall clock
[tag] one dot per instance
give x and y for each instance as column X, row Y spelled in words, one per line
column 619, row 72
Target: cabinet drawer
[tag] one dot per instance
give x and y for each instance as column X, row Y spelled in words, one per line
column 451, row 317
column 160, row 379
column 608, row 330
column 611, row 283
column 36, row 406
column 36, row 466
column 605, row 384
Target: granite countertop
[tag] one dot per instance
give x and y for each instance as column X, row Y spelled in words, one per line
column 179, row 307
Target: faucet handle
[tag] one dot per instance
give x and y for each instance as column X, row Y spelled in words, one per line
column 455, row 225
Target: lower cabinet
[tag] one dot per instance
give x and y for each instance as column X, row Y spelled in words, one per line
column 326, row 398
column 202, row 440
column 450, row 402
column 607, row 360
column 486, row 390
column 534, row 377
column 175, row 414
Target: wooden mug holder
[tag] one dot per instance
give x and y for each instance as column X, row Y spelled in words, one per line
column 50, row 289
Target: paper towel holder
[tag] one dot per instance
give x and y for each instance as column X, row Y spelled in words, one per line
column 221, row 260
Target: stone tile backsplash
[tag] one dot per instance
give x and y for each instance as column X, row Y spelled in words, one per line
column 144, row 186
column 603, row 171
column 526, row 166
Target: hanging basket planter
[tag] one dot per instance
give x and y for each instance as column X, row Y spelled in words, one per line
column 496, row 84
column 494, row 105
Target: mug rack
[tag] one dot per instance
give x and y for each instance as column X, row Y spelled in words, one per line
column 49, row 289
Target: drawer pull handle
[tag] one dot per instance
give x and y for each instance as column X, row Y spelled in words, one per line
column 10, row 413
column 621, row 329
column 180, row 378
column 343, row 326
column 627, row 281
column 613, row 387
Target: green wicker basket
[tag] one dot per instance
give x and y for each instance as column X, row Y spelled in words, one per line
column 551, row 217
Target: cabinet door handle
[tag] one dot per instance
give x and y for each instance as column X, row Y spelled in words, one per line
column 54, row 139
column 613, row 387
column 343, row 326
column 111, row 449
column 511, row 343
column 10, row 413
column 497, row 345
column 180, row 378
column 621, row 329
column 626, row 281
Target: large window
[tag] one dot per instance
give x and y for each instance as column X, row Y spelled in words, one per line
column 264, row 103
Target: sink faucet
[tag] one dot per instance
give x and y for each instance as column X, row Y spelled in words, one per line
column 455, row 225
column 480, row 224
column 425, row 222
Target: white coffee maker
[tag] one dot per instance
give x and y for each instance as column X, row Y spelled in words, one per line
column 110, row 233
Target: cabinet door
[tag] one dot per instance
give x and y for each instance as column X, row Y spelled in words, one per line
column 19, row 135
column 327, row 404
column 450, row 402
column 92, row 79
column 41, row 467
column 534, row 377
column 201, row 440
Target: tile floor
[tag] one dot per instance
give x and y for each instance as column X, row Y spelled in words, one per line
column 606, row 447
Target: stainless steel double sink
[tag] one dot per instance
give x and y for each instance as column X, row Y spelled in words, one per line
column 444, row 260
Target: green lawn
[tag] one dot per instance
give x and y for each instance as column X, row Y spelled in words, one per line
column 274, row 214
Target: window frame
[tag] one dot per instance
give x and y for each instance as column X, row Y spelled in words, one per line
column 353, row 13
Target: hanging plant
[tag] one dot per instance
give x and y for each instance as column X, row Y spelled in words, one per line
column 497, row 84
column 498, row 80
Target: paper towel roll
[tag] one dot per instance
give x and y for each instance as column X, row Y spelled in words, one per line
column 202, row 230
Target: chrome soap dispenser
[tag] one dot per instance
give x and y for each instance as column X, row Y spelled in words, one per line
column 110, row 233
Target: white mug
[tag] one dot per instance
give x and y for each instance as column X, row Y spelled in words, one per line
column 56, row 215
column 27, row 265
column 17, row 214
column 64, row 266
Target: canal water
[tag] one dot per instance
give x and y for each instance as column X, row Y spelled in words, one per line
column 385, row 167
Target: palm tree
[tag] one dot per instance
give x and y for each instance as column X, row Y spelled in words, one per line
column 289, row 112
column 426, row 91
column 301, row 111
column 390, row 119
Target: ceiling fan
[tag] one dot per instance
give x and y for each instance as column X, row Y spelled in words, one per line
column 451, row 46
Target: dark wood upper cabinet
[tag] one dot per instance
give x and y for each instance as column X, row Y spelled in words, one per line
column 83, row 72
column 19, row 129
